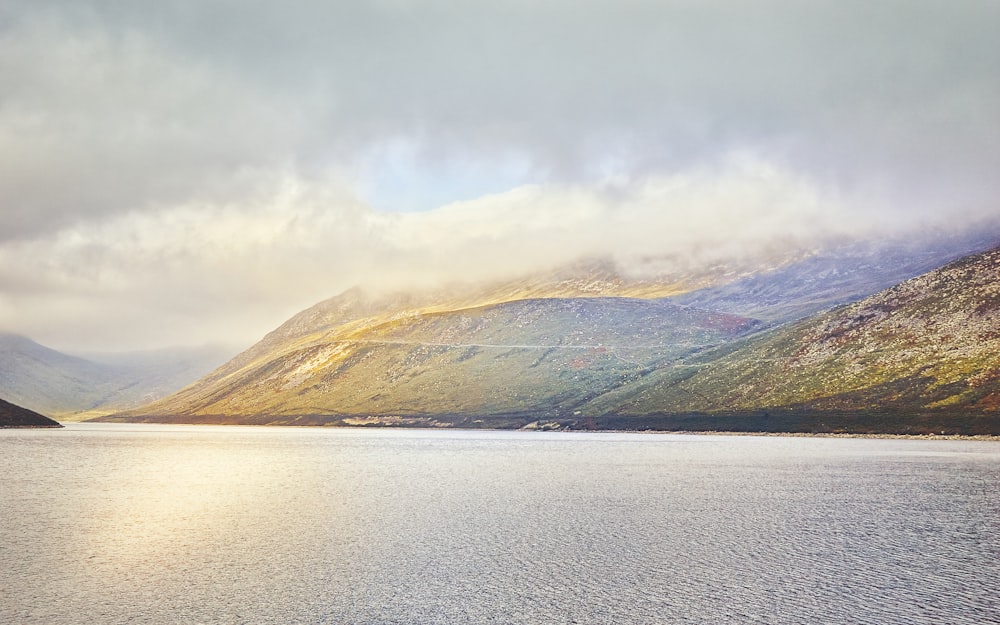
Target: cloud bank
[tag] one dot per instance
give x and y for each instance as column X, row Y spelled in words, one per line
column 179, row 172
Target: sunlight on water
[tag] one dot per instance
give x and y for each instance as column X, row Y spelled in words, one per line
column 174, row 524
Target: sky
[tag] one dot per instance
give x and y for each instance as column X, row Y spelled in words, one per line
column 182, row 172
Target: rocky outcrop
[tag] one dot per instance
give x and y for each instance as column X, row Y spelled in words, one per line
column 930, row 345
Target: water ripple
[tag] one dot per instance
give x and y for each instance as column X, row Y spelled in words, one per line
column 242, row 525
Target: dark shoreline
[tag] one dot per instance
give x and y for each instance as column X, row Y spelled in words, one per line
column 874, row 436
column 884, row 424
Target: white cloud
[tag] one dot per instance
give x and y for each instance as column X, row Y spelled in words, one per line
column 231, row 271
column 94, row 123
column 178, row 171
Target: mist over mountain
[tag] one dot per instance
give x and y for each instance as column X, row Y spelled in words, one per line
column 590, row 346
column 168, row 179
column 836, row 275
column 68, row 386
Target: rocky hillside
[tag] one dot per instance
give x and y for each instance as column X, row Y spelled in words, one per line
column 579, row 358
column 819, row 282
column 13, row 416
column 927, row 347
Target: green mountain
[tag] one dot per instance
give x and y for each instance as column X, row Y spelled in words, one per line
column 610, row 352
column 13, row 416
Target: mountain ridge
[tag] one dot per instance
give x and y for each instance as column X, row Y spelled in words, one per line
column 571, row 361
column 497, row 343
column 72, row 387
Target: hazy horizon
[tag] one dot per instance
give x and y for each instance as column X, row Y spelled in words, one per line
column 188, row 173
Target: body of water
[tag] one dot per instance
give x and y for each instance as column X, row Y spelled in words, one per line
column 113, row 524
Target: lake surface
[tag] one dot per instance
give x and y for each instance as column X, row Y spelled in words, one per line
column 198, row 524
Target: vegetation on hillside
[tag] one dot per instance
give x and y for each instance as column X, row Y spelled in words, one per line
column 922, row 356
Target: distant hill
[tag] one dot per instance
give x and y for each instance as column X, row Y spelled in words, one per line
column 49, row 381
column 13, row 416
column 62, row 385
column 598, row 349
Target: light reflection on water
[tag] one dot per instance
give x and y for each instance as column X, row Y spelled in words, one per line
column 201, row 524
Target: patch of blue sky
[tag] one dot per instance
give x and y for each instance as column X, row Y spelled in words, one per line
column 404, row 177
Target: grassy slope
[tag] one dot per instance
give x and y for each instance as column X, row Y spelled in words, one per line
column 544, row 357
